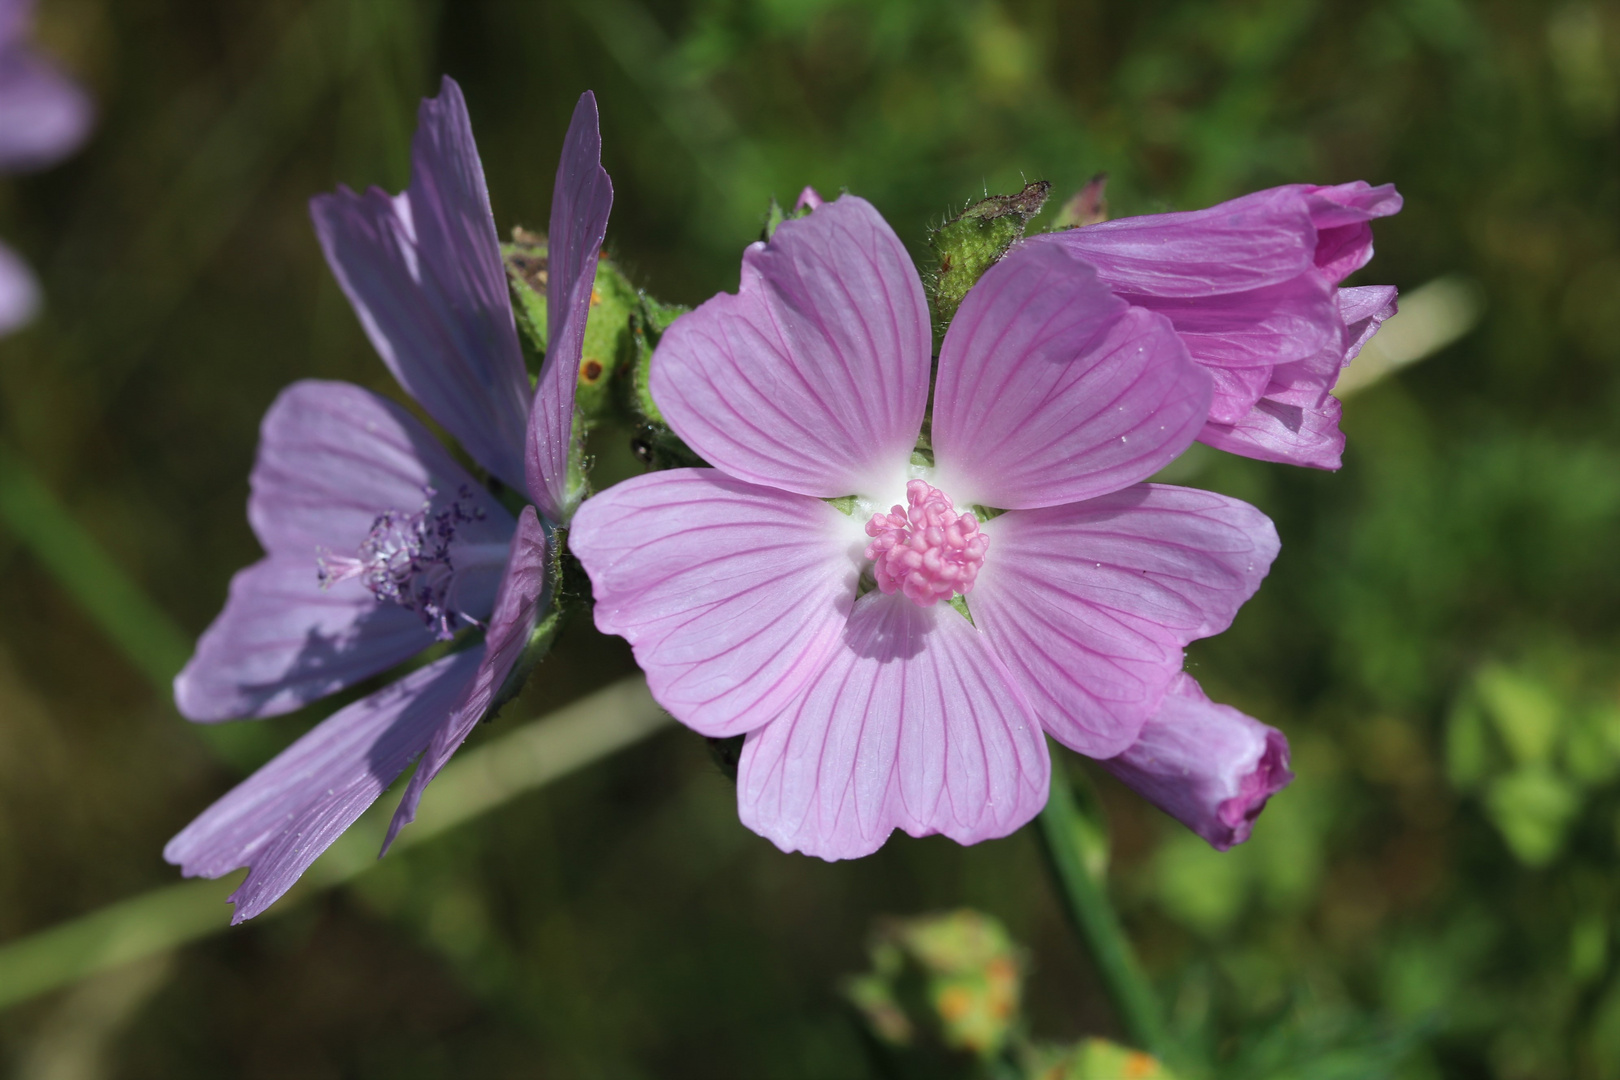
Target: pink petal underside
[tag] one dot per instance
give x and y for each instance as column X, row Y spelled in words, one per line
column 1051, row 389
column 813, row 378
column 1364, row 310
column 1276, row 324
column 1344, row 241
column 283, row 641
column 517, row 607
column 1296, row 422
column 1207, row 765
column 1235, row 392
column 19, row 292
column 581, row 198
column 913, row 724
column 44, row 115
column 423, row 272
column 1091, row 604
column 731, row 594
column 1260, row 239
column 277, row 821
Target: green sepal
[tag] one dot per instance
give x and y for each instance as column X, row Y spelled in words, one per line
column 1088, row 206
column 775, row 215
column 844, row 504
column 525, row 259
column 647, row 326
column 534, row 650
column 959, row 602
column 609, row 340
column 972, row 242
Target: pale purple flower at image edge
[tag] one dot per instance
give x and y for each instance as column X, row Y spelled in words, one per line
column 44, row 117
column 738, row 586
column 377, row 542
column 1252, row 287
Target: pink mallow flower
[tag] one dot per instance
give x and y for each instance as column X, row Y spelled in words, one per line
column 1252, row 287
column 377, row 542
column 809, row 589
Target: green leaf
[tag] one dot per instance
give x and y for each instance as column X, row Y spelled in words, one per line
column 1527, row 715
column 1532, row 807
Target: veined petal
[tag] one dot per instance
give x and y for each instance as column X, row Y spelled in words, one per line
column 277, row 821
column 283, row 641
column 813, row 378
column 731, row 594
column 19, row 292
column 332, row 456
column 44, row 115
column 423, row 272
column 1051, row 389
column 1208, row 766
column 517, row 606
column 1364, row 310
column 1091, row 604
column 1274, row 324
column 1295, row 422
column 1264, row 238
column 1344, row 240
column 580, row 201
column 913, row 724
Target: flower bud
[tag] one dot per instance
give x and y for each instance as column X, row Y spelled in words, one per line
column 972, row 242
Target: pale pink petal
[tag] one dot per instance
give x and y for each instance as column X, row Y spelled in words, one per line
column 814, row 376
column 1364, row 310
column 580, row 200
column 423, row 272
column 1236, row 390
column 1091, row 604
column 1341, row 214
column 44, row 115
column 277, row 821
column 732, row 595
column 19, row 292
column 1275, row 324
column 1296, row 422
column 517, row 608
column 1260, row 239
column 1051, row 389
column 1208, row 766
column 913, row 724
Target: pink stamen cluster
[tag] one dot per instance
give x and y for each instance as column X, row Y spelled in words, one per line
column 927, row 552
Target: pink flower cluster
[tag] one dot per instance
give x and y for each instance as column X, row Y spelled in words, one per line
column 928, row 551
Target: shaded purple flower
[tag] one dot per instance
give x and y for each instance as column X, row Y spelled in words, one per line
column 1251, row 285
column 792, row 592
column 377, row 543
column 44, row 117
column 1208, row 766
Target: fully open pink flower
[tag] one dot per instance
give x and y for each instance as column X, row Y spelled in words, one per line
column 1251, row 285
column 797, row 591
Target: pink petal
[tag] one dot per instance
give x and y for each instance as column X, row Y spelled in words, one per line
column 1260, row 239
column 1091, row 604
column 423, row 272
column 1296, row 422
column 1235, row 391
column 1274, row 324
column 332, row 457
column 732, row 595
column 1364, row 310
column 1208, row 766
column 19, row 292
column 517, row 606
column 44, row 115
column 1341, row 215
column 913, row 724
column 580, row 200
column 277, row 821
column 1051, row 389
column 814, row 376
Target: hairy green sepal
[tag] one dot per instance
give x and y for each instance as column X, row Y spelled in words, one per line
column 970, row 243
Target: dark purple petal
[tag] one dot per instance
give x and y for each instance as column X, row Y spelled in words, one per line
column 19, row 292
column 813, row 378
column 732, row 595
column 1052, row 390
column 913, row 724
column 1261, row 239
column 14, row 16
column 580, row 201
column 1091, row 604
column 1208, row 766
column 277, row 821
column 423, row 271
column 44, row 115
column 517, row 606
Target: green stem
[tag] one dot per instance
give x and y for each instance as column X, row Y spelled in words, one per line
column 1067, row 832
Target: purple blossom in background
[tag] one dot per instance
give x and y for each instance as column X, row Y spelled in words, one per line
column 44, row 117
column 1208, row 766
column 377, row 542
column 804, row 590
column 1252, row 287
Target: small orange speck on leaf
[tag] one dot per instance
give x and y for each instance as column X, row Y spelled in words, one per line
column 590, row 370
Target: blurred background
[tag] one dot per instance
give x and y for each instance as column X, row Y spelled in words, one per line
column 1436, row 895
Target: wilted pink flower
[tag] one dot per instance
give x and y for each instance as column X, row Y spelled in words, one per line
column 749, row 590
column 377, row 542
column 1251, row 285
column 1208, row 766
column 44, row 117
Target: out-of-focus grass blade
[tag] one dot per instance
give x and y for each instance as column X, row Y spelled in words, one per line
column 31, row 512
column 477, row 780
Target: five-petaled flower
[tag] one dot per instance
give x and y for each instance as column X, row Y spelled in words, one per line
column 377, row 542
column 894, row 632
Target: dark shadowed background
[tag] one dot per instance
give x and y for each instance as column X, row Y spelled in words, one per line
column 1436, row 895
